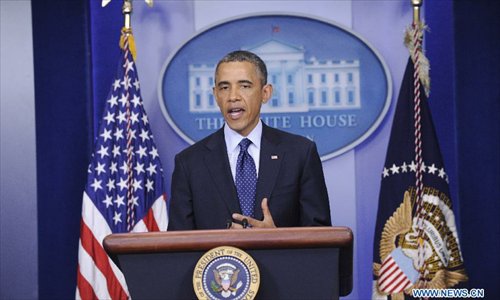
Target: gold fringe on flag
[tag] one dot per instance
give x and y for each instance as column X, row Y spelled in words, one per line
column 413, row 38
column 127, row 35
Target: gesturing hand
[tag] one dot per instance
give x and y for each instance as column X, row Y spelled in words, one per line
column 267, row 222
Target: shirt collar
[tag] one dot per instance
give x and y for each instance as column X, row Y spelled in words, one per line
column 233, row 138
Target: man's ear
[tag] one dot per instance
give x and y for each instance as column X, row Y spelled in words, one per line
column 267, row 93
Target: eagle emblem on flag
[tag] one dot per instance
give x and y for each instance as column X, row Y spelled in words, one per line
column 400, row 268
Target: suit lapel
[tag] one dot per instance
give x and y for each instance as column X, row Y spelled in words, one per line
column 271, row 157
column 218, row 165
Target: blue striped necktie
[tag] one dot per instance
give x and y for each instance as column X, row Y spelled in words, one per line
column 246, row 179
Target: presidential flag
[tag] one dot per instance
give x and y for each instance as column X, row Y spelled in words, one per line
column 416, row 240
column 125, row 189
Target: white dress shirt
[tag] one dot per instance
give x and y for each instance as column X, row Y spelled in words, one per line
column 233, row 140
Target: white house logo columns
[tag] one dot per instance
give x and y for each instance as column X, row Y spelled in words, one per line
column 299, row 85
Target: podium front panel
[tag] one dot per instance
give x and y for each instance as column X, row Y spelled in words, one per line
column 294, row 263
column 284, row 274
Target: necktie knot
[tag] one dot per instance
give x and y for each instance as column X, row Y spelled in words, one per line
column 244, row 144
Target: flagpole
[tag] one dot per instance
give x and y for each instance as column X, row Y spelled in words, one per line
column 127, row 11
column 416, row 10
column 419, row 184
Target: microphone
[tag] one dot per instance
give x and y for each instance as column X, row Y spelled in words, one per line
column 244, row 222
column 229, row 223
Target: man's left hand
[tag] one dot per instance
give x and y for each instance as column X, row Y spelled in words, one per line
column 267, row 222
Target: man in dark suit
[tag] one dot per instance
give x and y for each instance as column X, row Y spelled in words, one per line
column 246, row 173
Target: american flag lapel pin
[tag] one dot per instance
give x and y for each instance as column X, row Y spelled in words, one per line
column 273, row 157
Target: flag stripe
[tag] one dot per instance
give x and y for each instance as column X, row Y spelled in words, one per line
column 140, row 227
column 93, row 254
column 84, row 290
column 385, row 275
column 390, row 283
column 95, row 220
column 89, row 271
column 102, row 262
column 388, row 264
column 156, row 215
column 160, row 212
column 398, row 285
column 149, row 221
column 389, row 280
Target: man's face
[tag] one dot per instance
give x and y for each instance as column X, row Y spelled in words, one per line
column 240, row 94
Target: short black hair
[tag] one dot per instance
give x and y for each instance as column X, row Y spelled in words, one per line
column 242, row 55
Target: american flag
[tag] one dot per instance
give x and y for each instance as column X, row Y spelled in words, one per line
column 125, row 190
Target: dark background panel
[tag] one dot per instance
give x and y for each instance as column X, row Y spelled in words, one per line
column 62, row 93
column 477, row 90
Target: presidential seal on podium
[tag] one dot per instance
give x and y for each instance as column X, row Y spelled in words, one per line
column 226, row 273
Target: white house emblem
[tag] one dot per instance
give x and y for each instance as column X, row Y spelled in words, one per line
column 329, row 84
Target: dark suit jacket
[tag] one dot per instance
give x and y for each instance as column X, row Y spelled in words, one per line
column 204, row 195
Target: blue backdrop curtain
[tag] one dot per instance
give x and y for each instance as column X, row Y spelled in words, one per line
column 75, row 55
column 477, row 100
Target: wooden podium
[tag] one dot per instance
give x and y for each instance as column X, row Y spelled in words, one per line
column 294, row 263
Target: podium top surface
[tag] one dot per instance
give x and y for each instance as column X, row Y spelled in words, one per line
column 255, row 238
